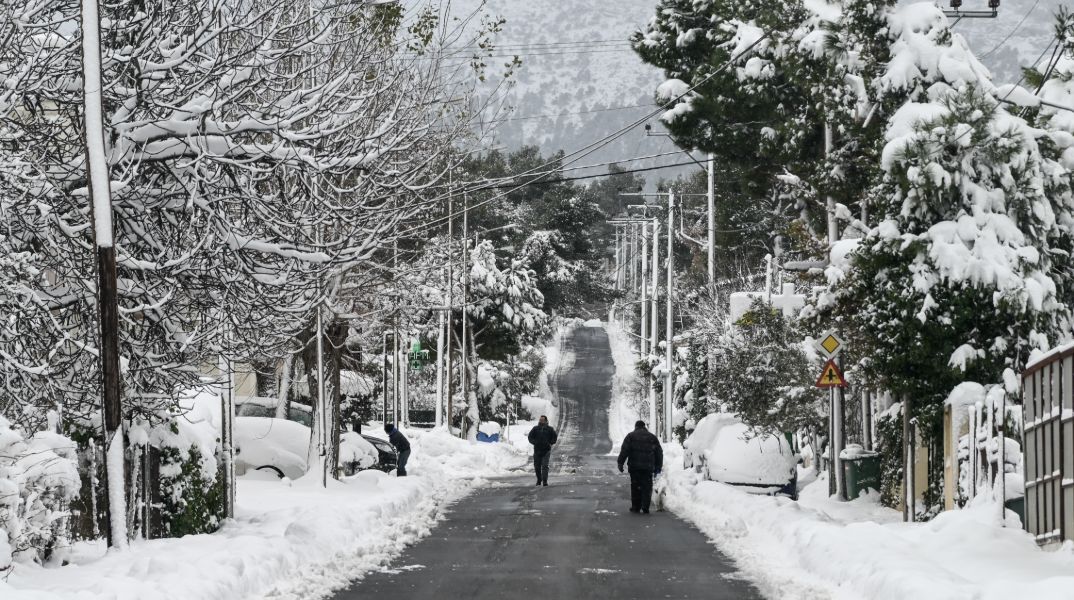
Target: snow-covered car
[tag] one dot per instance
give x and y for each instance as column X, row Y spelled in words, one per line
column 387, row 457
column 722, row 448
column 280, row 446
column 259, row 406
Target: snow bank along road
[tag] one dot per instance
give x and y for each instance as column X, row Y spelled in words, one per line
column 289, row 540
column 573, row 539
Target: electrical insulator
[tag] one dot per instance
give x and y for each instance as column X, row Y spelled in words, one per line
column 957, row 4
column 993, row 4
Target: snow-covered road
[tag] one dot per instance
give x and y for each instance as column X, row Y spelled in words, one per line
column 573, row 539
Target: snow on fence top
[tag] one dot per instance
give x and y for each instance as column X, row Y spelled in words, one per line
column 1037, row 358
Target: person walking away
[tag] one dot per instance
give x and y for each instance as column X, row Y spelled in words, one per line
column 402, row 446
column 543, row 437
column 644, row 457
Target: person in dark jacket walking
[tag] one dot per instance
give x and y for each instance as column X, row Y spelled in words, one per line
column 543, row 438
column 402, row 446
column 644, row 457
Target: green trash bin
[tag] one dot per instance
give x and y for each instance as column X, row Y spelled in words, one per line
column 861, row 468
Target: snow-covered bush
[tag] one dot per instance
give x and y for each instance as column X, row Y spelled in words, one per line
column 761, row 373
column 38, row 479
column 191, row 499
column 191, row 485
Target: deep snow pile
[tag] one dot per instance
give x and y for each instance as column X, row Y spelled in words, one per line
column 818, row 548
column 288, row 540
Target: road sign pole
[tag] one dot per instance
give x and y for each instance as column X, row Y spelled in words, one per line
column 831, row 377
column 837, row 441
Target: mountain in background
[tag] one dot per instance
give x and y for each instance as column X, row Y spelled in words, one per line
column 579, row 80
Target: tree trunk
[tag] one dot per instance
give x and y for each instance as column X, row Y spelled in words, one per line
column 335, row 337
column 283, row 404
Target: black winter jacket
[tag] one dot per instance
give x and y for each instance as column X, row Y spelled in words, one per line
column 642, row 450
column 542, row 437
column 398, row 440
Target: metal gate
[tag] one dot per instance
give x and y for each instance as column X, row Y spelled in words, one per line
column 1048, row 426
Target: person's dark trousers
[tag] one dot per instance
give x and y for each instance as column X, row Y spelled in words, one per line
column 400, row 468
column 641, row 489
column 540, row 465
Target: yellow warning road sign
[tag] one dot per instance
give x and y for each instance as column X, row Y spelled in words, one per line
column 831, row 376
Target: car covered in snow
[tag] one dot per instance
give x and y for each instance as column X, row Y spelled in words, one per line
column 722, row 448
column 280, row 446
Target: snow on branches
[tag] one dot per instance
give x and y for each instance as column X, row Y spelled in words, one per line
column 256, row 151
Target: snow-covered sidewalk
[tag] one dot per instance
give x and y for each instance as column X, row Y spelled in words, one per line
column 818, row 548
column 288, row 540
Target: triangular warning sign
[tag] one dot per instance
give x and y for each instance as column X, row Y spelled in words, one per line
column 831, row 376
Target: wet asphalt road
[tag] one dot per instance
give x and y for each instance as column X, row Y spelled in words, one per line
column 573, row 539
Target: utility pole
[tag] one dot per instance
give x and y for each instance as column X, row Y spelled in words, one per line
column 836, row 403
column 650, row 298
column 438, row 417
column 464, row 383
column 395, row 371
column 404, row 396
column 450, row 300
column 642, row 343
column 654, row 314
column 107, row 293
column 669, row 386
column 712, row 221
column 384, row 378
column 635, row 254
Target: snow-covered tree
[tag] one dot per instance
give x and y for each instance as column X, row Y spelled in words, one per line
column 760, row 371
column 259, row 155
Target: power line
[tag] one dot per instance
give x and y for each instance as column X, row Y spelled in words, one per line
column 1013, row 31
column 477, row 56
column 495, row 46
column 564, row 114
column 604, row 141
column 539, row 181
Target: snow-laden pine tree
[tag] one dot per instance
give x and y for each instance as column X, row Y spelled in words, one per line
column 966, row 270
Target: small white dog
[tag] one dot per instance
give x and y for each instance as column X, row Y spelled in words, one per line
column 660, row 493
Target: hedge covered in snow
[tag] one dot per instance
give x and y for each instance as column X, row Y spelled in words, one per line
column 38, row 478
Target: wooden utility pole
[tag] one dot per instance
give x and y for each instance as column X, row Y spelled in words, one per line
column 99, row 184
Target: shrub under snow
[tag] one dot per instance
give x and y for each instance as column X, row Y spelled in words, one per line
column 38, row 478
